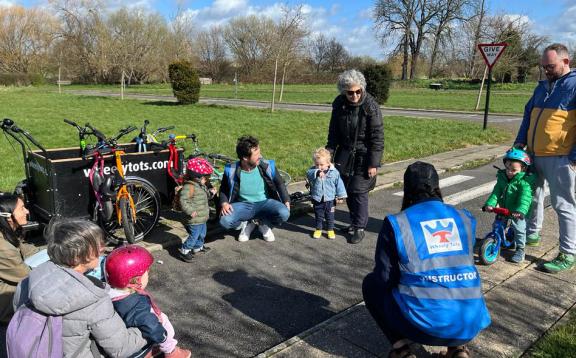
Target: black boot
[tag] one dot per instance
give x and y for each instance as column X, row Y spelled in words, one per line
column 357, row 236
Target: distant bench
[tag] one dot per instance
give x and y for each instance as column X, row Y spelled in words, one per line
column 64, row 83
column 435, row 86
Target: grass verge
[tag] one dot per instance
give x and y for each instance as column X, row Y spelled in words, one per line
column 558, row 343
column 287, row 136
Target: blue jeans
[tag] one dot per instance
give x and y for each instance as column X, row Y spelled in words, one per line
column 324, row 210
column 270, row 212
column 196, row 235
column 519, row 226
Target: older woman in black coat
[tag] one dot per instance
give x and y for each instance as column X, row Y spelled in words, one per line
column 356, row 139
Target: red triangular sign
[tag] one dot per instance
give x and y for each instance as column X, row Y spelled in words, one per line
column 491, row 52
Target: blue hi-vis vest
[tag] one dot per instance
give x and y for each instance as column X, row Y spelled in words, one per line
column 230, row 171
column 440, row 290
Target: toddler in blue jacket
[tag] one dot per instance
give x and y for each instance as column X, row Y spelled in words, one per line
column 326, row 188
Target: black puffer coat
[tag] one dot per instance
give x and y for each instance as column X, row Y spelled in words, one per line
column 369, row 146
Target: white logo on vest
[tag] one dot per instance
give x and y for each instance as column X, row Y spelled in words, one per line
column 441, row 235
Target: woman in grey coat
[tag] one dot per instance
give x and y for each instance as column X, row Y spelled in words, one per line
column 90, row 326
column 356, row 139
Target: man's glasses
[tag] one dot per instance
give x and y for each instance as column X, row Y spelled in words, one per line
column 358, row 92
column 549, row 67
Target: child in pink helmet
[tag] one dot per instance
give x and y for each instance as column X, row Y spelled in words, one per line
column 194, row 198
column 126, row 270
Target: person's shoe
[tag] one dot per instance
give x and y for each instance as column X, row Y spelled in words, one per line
column 178, row 353
column 347, row 229
column 518, row 256
column 562, row 262
column 357, row 236
column 267, row 233
column 202, row 250
column 186, row 255
column 331, row 234
column 317, row 234
column 533, row 240
column 246, row 231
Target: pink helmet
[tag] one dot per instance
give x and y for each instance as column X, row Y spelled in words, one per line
column 125, row 263
column 198, row 167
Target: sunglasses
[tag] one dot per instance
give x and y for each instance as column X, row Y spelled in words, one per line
column 358, row 92
column 549, row 67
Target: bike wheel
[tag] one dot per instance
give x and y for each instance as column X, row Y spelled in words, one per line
column 285, row 176
column 147, row 201
column 489, row 250
column 127, row 220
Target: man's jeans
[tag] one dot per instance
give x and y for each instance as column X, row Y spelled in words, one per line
column 196, row 235
column 561, row 177
column 270, row 212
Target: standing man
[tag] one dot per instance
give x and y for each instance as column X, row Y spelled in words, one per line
column 548, row 130
column 252, row 189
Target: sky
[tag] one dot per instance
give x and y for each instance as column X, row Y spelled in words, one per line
column 350, row 22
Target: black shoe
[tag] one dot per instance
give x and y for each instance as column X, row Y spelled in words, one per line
column 357, row 237
column 189, row 257
column 203, row 250
column 347, row 229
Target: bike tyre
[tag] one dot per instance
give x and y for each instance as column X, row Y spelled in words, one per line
column 127, row 220
column 488, row 252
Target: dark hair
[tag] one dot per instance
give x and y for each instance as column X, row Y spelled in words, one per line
column 245, row 145
column 420, row 182
column 8, row 205
column 72, row 242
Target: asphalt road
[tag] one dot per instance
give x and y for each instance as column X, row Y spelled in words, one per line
column 477, row 117
column 242, row 298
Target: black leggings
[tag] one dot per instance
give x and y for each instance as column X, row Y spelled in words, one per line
column 358, row 207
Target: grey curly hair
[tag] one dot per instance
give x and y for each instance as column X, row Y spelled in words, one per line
column 350, row 78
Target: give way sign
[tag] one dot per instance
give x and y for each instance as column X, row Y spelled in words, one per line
column 491, row 52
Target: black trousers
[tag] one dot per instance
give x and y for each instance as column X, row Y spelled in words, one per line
column 358, row 207
column 324, row 210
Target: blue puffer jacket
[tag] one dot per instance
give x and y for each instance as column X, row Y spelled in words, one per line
column 327, row 188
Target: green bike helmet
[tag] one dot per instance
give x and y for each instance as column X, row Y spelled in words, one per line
column 518, row 155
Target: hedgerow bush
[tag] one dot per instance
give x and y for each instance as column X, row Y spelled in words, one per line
column 378, row 79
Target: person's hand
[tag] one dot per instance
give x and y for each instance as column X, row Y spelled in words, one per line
column 339, row 201
column 519, row 145
column 212, row 191
column 372, row 172
column 287, row 205
column 321, row 174
column 194, row 214
column 227, row 209
column 517, row 215
column 488, row 208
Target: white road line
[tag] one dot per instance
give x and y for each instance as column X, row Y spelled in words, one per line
column 470, row 194
column 453, row 180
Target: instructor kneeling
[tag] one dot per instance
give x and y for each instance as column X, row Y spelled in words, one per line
column 424, row 287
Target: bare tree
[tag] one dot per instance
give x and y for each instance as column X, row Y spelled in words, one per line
column 336, row 57
column 318, row 51
column 426, row 12
column 212, row 53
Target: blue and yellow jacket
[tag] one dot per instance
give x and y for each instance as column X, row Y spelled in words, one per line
column 549, row 124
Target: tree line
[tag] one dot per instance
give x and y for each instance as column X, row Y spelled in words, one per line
column 87, row 43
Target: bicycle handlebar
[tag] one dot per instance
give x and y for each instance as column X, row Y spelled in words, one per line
column 500, row 211
column 101, row 137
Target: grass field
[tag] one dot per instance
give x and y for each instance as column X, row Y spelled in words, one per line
column 289, row 137
column 559, row 343
column 503, row 99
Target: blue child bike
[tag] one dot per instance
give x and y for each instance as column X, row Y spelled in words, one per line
column 501, row 236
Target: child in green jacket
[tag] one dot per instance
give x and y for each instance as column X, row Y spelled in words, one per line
column 513, row 191
column 194, row 197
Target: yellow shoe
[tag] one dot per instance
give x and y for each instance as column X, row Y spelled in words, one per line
column 331, row 234
column 317, row 234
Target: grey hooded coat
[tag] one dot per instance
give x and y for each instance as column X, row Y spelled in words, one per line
column 86, row 310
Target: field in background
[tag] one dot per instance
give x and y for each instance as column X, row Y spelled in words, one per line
column 505, row 98
column 287, row 136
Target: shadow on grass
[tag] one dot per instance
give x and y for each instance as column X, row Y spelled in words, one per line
column 162, row 103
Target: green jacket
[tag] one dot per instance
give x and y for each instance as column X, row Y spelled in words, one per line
column 514, row 194
column 194, row 198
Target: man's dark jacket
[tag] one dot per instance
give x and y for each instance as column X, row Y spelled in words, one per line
column 275, row 187
column 370, row 143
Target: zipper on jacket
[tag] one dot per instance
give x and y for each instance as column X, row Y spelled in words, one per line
column 548, row 94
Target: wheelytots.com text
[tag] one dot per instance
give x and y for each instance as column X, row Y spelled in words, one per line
column 134, row 167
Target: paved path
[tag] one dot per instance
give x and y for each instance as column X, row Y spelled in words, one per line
column 493, row 118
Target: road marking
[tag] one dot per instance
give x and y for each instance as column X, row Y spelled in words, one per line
column 470, row 194
column 453, row 180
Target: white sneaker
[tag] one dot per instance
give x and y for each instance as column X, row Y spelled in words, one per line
column 266, row 232
column 246, row 231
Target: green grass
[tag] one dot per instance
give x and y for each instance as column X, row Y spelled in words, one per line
column 502, row 100
column 559, row 343
column 287, row 136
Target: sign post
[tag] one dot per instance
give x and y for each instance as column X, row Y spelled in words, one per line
column 490, row 53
